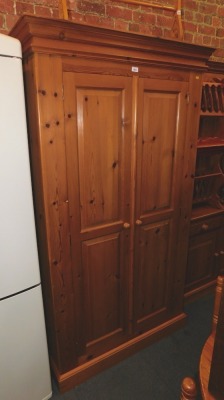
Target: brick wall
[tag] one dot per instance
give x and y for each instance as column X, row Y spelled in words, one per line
column 203, row 20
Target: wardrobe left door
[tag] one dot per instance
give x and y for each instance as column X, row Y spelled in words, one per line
column 98, row 132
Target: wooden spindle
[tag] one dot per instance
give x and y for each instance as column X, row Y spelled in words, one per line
column 188, row 389
column 218, row 293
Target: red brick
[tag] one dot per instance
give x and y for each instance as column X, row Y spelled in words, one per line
column 190, row 26
column 71, row 5
column 167, row 33
column 198, row 17
column 134, row 27
column 216, row 22
column 146, row 30
column 188, row 37
column 208, row 9
column 198, row 39
column 2, row 21
column 106, row 23
column 220, row 12
column 47, row 3
column 144, row 18
column 91, row 7
column 121, row 25
column 150, row 10
column 215, row 42
column 157, row 31
column 22, row 8
column 76, row 17
column 164, row 22
column 42, row 11
column 168, row 13
column 206, row 30
column 190, row 5
column 7, row 6
column 207, row 40
column 119, row 13
column 208, row 19
column 92, row 19
column 10, row 21
column 55, row 13
column 220, row 32
column 188, row 15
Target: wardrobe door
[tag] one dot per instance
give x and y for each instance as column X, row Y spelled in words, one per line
column 98, row 139
column 160, row 143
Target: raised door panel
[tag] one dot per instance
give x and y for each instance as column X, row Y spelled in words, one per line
column 152, row 272
column 102, row 284
column 160, row 146
column 99, row 148
column 98, row 137
column 201, row 257
column 161, row 138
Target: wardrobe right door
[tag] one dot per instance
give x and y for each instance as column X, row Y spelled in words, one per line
column 162, row 109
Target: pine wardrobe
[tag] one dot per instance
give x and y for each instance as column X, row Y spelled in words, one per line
column 113, row 121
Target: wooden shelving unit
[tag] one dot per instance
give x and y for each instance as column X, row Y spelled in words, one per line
column 206, row 244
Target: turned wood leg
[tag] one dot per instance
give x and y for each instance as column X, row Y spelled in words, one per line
column 188, row 389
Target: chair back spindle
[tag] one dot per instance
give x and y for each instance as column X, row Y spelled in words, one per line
column 188, row 389
column 216, row 377
column 218, row 295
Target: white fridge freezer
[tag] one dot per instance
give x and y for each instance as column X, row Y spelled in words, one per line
column 24, row 364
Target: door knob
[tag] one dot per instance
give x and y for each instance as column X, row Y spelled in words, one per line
column 138, row 222
column 204, row 227
column 126, row 225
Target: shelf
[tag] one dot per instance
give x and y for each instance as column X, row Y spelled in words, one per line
column 210, row 142
column 204, row 210
column 207, row 176
column 211, row 114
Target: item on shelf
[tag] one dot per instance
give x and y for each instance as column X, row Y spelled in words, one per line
column 208, row 97
column 215, row 98
column 203, row 100
column 202, row 190
column 212, row 99
column 220, row 98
